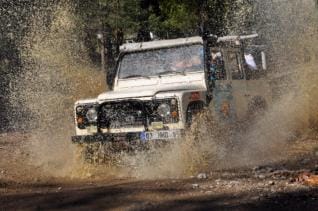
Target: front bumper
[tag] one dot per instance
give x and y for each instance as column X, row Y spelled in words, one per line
column 102, row 137
column 132, row 137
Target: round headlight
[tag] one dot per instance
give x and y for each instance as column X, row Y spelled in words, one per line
column 91, row 115
column 164, row 110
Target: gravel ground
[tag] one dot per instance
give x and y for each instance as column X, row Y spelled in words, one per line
column 274, row 186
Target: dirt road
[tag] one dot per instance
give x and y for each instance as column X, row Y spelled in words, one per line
column 274, row 186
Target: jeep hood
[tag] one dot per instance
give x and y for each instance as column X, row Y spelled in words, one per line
column 149, row 88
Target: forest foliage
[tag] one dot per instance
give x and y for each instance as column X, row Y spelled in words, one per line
column 121, row 20
column 135, row 19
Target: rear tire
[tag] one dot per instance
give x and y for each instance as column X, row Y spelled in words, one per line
column 212, row 141
column 257, row 106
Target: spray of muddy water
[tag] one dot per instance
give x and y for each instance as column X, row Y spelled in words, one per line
column 289, row 28
column 56, row 73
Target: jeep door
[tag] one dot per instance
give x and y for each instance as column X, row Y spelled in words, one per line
column 239, row 92
column 236, row 80
column 250, row 89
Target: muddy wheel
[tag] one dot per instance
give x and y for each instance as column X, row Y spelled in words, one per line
column 257, row 106
column 194, row 110
column 210, row 139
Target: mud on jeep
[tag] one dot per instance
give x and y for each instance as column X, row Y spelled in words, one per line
column 160, row 85
column 157, row 86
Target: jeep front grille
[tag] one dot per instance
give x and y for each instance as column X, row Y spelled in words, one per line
column 134, row 113
column 121, row 114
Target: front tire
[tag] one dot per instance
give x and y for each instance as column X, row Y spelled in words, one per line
column 98, row 153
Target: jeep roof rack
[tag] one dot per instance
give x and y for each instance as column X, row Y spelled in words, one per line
column 130, row 47
column 237, row 38
column 232, row 40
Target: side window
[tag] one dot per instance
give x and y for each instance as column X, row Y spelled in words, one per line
column 255, row 64
column 217, row 69
column 234, row 66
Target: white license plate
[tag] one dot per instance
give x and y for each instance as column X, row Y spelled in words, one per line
column 160, row 135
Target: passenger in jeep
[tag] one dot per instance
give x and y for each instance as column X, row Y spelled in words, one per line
column 217, row 71
column 193, row 63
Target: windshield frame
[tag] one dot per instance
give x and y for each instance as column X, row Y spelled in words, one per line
column 181, row 72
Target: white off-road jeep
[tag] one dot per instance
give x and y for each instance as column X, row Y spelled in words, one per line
column 157, row 88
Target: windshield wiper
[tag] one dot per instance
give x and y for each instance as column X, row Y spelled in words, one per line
column 172, row 71
column 136, row 76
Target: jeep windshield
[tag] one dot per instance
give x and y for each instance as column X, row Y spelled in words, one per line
column 176, row 60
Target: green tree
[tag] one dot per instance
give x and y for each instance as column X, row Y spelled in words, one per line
column 180, row 18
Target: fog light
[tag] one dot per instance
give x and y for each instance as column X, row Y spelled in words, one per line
column 174, row 114
column 80, row 120
column 157, row 125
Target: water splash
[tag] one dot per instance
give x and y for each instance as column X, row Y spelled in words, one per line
column 289, row 28
column 56, row 73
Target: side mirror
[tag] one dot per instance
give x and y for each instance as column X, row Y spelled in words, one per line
column 264, row 63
